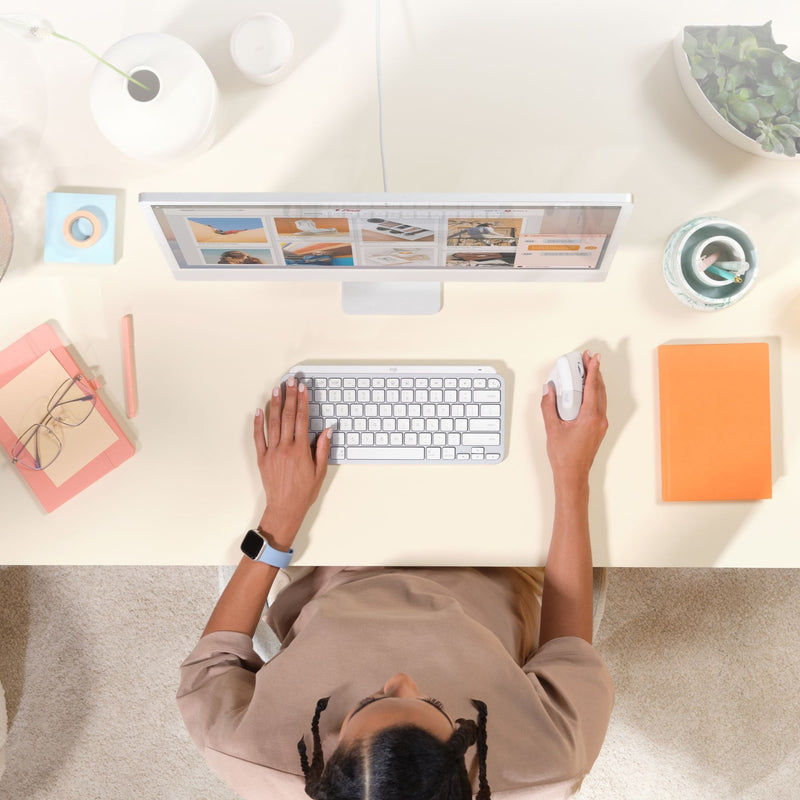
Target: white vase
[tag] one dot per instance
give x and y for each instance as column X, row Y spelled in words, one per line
column 175, row 118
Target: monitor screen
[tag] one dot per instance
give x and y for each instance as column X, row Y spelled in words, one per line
column 387, row 238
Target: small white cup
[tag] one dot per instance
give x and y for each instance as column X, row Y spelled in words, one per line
column 730, row 248
column 262, row 48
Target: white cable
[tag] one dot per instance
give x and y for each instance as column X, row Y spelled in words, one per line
column 380, row 88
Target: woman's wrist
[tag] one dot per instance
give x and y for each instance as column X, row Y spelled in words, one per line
column 277, row 530
column 572, row 488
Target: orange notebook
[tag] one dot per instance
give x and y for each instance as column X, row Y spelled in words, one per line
column 715, row 421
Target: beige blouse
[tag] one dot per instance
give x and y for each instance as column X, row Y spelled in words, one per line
column 460, row 633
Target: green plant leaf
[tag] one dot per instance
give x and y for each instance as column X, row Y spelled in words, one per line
column 766, row 91
column 787, row 129
column 765, row 109
column 782, row 98
column 745, row 111
column 742, row 126
column 789, row 145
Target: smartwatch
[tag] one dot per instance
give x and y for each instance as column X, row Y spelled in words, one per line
column 255, row 546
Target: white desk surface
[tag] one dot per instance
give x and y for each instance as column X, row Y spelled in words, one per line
column 516, row 96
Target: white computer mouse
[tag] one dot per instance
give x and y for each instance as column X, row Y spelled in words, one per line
column 567, row 377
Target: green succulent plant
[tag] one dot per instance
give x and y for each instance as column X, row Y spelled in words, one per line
column 750, row 81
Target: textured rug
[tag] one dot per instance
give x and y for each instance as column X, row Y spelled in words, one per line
column 706, row 665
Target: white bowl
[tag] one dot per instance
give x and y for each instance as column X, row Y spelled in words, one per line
column 709, row 114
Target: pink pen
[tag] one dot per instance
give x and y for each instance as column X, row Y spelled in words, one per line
column 127, row 356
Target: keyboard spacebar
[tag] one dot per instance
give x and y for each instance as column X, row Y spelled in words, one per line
column 387, row 453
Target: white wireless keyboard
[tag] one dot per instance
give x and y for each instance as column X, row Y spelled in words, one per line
column 407, row 414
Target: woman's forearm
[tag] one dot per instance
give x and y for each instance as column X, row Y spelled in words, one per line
column 567, row 593
column 241, row 604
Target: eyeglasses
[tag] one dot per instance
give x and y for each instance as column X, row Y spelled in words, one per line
column 71, row 404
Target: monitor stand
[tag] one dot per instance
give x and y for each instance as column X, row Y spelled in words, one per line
column 391, row 297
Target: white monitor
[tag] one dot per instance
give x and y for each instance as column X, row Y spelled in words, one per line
column 390, row 251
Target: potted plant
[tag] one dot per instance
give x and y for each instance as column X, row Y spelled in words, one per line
column 744, row 85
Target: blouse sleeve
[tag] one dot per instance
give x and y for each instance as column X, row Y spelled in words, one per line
column 575, row 689
column 216, row 686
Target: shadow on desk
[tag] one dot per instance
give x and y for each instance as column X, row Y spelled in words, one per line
column 207, row 27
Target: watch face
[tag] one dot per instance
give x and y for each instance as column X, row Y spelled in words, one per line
column 252, row 544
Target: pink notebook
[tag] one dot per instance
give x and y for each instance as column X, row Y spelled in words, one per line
column 91, row 453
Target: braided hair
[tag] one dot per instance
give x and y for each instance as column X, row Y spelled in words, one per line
column 403, row 762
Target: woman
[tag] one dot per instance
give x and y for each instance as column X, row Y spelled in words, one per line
column 401, row 670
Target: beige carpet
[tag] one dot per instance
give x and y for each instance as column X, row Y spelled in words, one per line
column 706, row 665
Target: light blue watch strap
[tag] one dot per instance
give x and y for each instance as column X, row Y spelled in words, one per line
column 276, row 558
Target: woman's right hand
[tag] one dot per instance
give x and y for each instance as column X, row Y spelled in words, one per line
column 573, row 445
column 290, row 472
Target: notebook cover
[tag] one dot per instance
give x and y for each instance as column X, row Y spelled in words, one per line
column 715, row 421
column 13, row 360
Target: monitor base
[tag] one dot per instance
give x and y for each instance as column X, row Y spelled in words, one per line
column 391, row 297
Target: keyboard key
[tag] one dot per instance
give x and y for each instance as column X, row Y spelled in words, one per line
column 480, row 438
column 387, row 453
column 489, row 396
column 484, row 424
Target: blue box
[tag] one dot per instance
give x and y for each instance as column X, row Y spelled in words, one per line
column 89, row 212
